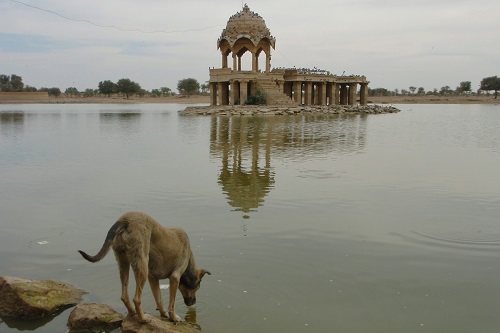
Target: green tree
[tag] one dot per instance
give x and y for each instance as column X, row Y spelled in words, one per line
column 16, row 82
column 491, row 83
column 11, row 83
column 54, row 91
column 156, row 92
column 128, row 87
column 412, row 89
column 421, row 91
column 188, row 87
column 205, row 88
column 89, row 92
column 107, row 87
column 446, row 90
column 29, row 89
column 166, row 91
column 71, row 91
column 464, row 87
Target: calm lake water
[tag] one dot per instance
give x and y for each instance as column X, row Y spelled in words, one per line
column 378, row 223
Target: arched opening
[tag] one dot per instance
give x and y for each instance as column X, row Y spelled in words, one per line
column 244, row 59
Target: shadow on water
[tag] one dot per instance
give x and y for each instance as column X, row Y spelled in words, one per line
column 246, row 146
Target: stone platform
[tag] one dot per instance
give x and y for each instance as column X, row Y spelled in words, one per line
column 253, row 110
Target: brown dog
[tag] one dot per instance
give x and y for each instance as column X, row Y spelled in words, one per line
column 155, row 253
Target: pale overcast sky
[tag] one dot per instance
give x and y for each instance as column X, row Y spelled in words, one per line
column 394, row 43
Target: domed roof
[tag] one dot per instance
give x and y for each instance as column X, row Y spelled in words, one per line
column 246, row 24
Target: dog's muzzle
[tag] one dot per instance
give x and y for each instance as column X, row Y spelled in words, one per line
column 190, row 301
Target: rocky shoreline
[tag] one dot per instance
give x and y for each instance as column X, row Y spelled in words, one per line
column 251, row 110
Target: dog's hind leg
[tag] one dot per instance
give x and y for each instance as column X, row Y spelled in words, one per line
column 141, row 274
column 124, row 268
column 155, row 288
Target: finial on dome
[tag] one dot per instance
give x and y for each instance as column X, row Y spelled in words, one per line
column 245, row 8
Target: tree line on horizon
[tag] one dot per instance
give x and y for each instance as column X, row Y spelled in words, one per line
column 190, row 86
column 487, row 84
column 125, row 86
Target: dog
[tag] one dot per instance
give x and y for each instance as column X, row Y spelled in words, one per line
column 155, row 253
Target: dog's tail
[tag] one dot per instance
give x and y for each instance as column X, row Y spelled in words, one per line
column 107, row 244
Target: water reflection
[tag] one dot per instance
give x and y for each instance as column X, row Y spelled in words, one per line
column 120, row 122
column 11, row 124
column 245, row 146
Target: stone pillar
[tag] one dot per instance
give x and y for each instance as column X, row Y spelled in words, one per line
column 255, row 62
column 352, row 93
column 235, row 65
column 224, row 60
column 287, row 88
column 307, row 93
column 239, row 63
column 268, row 62
column 213, row 94
column 322, row 97
column 336, row 94
column 219, row 95
column 225, row 93
column 343, row 94
column 243, row 92
column 232, row 92
column 297, row 92
column 363, row 94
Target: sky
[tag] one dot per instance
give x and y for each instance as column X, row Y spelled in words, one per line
column 394, row 43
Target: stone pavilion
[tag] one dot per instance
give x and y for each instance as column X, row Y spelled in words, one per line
column 246, row 31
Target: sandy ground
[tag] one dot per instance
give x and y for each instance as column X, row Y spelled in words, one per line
column 205, row 99
column 111, row 100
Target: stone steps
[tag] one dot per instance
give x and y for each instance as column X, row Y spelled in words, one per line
column 273, row 93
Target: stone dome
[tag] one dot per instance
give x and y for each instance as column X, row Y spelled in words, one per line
column 246, row 24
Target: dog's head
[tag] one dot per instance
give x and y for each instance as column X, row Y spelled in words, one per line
column 189, row 285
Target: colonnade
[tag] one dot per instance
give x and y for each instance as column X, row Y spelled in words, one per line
column 325, row 93
column 232, row 92
column 237, row 60
column 302, row 92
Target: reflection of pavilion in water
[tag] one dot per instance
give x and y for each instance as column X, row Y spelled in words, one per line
column 245, row 145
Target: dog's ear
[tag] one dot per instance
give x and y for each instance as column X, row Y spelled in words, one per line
column 201, row 273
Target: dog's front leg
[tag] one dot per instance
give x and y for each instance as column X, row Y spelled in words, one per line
column 174, row 285
column 155, row 288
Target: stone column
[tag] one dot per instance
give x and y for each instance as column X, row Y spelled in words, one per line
column 352, row 93
column 297, row 92
column 232, row 84
column 322, row 97
column 336, row 94
column 255, row 62
column 243, row 92
column 268, row 62
column 224, row 60
column 287, row 88
column 239, row 63
column 213, row 94
column 219, row 90
column 235, row 65
column 307, row 93
column 363, row 94
column 225, row 93
column 343, row 94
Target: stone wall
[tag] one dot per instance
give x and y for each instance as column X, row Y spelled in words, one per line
column 23, row 96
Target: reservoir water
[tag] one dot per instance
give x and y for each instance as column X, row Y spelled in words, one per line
column 341, row 223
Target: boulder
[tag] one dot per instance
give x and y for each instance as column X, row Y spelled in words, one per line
column 94, row 317
column 33, row 299
column 157, row 325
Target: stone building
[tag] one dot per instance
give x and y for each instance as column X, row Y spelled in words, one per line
column 246, row 31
